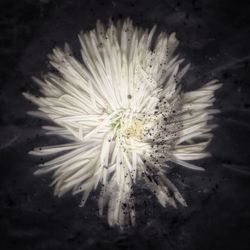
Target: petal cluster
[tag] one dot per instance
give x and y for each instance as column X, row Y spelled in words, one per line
column 124, row 116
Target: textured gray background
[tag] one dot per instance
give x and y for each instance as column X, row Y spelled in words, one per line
column 214, row 36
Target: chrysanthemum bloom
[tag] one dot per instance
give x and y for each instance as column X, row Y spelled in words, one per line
column 125, row 116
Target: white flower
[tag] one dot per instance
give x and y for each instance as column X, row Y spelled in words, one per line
column 125, row 115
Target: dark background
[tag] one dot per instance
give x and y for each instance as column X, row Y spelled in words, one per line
column 214, row 36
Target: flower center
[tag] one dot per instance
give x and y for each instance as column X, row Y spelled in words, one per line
column 130, row 125
column 135, row 130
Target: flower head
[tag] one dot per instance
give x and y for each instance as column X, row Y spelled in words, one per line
column 125, row 116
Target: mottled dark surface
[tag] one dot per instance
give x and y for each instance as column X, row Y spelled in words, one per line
column 214, row 37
